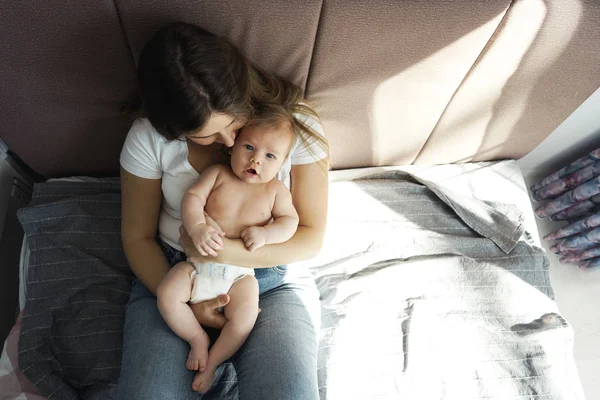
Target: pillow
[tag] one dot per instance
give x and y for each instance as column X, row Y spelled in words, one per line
column 78, row 284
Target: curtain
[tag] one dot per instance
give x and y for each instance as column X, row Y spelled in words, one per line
column 572, row 194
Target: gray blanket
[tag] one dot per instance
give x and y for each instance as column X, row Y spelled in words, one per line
column 427, row 294
column 77, row 287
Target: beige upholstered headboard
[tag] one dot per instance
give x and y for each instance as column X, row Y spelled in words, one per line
column 395, row 81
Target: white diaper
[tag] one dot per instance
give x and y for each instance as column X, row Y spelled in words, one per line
column 212, row 279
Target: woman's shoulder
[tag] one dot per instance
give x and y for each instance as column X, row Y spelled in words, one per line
column 146, row 153
column 144, row 137
column 312, row 120
column 142, row 130
column 308, row 147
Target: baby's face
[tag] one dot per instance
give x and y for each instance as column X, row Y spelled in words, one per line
column 259, row 152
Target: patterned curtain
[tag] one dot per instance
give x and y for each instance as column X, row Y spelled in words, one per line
column 572, row 194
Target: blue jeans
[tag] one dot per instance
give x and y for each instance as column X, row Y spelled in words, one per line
column 278, row 360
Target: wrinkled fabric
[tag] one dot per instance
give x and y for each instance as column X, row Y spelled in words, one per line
column 427, row 294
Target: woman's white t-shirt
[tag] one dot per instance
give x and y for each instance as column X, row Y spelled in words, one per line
column 148, row 154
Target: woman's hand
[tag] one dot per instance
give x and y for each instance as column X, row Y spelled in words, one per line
column 206, row 312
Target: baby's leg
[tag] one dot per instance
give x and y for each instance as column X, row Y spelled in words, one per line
column 241, row 313
column 173, row 294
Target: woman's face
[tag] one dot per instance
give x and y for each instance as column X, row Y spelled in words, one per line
column 220, row 128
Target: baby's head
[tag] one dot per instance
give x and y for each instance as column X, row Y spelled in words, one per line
column 262, row 146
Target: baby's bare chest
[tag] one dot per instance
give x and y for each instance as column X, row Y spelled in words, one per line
column 236, row 207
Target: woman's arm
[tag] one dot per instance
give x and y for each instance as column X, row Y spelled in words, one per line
column 310, row 186
column 140, row 208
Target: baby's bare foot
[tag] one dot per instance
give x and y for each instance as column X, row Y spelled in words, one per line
column 198, row 356
column 203, row 380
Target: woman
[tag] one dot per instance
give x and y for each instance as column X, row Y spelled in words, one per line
column 197, row 92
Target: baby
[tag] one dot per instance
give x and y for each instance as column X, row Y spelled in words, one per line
column 242, row 200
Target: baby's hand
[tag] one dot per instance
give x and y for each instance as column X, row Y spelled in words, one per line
column 207, row 239
column 254, row 237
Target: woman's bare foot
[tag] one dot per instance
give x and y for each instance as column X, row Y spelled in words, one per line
column 198, row 356
column 203, row 380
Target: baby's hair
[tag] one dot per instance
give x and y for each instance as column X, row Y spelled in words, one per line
column 272, row 115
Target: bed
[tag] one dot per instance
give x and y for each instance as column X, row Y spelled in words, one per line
column 433, row 283
column 463, row 310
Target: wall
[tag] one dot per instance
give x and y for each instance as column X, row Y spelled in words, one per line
column 575, row 137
